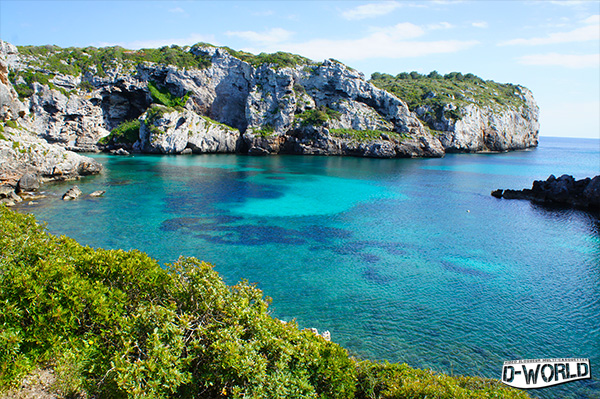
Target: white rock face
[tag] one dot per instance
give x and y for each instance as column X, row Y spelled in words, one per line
column 493, row 129
column 173, row 131
column 74, row 121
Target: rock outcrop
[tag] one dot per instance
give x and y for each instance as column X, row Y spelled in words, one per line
column 231, row 103
column 487, row 128
column 565, row 190
column 170, row 131
column 26, row 157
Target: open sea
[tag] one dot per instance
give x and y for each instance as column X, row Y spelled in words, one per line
column 407, row 260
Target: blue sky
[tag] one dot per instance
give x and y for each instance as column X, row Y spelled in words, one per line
column 551, row 47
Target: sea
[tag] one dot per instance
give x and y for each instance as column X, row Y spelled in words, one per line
column 403, row 260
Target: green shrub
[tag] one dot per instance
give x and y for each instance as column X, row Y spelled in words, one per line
column 164, row 96
column 86, row 86
column 364, row 135
column 265, row 131
column 75, row 61
column 116, row 324
column 385, row 380
column 126, row 133
column 23, row 90
column 156, row 111
column 11, row 123
column 279, row 59
column 317, row 117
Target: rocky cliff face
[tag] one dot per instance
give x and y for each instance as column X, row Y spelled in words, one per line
column 23, row 150
column 234, row 104
column 488, row 128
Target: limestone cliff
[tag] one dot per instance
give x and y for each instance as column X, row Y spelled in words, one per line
column 220, row 100
column 480, row 128
column 22, row 149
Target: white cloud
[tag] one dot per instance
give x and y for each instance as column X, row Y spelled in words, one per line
column 480, row 24
column 371, row 10
column 441, row 25
column 367, row 48
column 177, row 10
column 272, row 36
column 583, row 34
column 392, row 42
column 401, row 31
column 562, row 60
column 594, row 19
column 138, row 44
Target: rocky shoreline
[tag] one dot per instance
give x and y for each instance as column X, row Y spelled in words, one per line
column 565, row 190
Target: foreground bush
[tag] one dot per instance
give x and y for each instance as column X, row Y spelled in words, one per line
column 116, row 324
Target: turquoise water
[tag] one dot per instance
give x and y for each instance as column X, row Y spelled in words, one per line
column 405, row 260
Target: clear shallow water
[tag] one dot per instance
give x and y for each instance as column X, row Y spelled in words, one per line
column 403, row 260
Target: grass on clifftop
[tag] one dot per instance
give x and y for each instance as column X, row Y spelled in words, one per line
column 436, row 91
column 116, row 324
column 75, row 61
column 279, row 59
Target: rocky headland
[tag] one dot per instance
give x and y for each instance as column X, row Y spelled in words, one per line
column 207, row 99
column 565, row 190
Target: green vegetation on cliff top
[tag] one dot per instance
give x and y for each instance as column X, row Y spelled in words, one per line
column 455, row 88
column 279, row 59
column 74, row 60
column 116, row 324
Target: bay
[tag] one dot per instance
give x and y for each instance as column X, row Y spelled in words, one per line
column 407, row 260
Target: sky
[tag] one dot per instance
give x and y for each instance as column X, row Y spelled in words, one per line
column 550, row 47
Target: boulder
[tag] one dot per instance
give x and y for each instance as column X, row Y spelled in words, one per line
column 497, row 193
column 98, row 193
column 121, row 151
column 29, row 182
column 72, row 193
column 591, row 193
column 6, row 191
